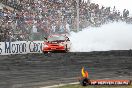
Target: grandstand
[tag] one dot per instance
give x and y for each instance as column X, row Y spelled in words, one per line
column 34, row 19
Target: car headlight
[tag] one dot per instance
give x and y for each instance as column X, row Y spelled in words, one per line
column 46, row 46
column 61, row 44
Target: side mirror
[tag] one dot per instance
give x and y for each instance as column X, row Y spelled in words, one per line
column 45, row 38
column 68, row 39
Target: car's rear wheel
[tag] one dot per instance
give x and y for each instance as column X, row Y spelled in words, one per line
column 66, row 49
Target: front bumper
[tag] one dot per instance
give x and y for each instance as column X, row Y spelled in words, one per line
column 48, row 49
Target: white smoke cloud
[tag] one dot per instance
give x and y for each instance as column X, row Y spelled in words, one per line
column 113, row 36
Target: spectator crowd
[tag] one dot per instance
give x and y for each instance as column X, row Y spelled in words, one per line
column 34, row 19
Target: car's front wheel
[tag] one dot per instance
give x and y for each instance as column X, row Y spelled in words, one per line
column 45, row 52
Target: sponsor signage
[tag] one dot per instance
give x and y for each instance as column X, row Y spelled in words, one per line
column 110, row 82
column 21, row 47
column 84, row 80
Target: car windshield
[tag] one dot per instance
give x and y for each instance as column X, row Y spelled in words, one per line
column 56, row 38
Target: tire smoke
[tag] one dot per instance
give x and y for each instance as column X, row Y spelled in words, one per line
column 113, row 36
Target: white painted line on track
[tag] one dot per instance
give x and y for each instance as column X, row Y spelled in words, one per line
column 60, row 85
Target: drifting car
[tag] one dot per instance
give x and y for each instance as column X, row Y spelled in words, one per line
column 56, row 43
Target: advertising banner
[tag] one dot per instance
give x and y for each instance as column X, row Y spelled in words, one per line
column 21, row 47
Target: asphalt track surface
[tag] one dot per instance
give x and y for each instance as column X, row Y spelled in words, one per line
column 36, row 70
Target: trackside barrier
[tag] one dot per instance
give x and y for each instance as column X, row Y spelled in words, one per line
column 21, row 47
